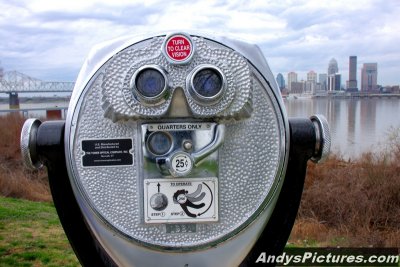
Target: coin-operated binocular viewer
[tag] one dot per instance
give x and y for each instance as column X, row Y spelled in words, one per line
column 176, row 151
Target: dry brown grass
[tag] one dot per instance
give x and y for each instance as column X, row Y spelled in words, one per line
column 15, row 180
column 352, row 203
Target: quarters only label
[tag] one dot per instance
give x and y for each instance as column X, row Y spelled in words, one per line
column 181, row 200
column 178, row 126
column 107, row 152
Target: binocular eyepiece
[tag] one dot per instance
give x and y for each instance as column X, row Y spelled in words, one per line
column 176, row 150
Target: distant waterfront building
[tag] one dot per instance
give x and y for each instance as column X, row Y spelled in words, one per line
column 310, row 87
column 369, row 77
column 352, row 83
column 333, row 77
column 311, row 82
column 281, row 81
column 338, row 82
column 297, row 87
column 322, row 79
column 333, row 67
column 292, row 77
column 331, row 82
column 334, row 82
column 312, row 76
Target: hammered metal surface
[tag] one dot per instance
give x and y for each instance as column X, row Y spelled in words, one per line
column 249, row 160
column 118, row 74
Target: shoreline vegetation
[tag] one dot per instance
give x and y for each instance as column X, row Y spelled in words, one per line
column 351, row 203
column 345, row 202
column 37, row 99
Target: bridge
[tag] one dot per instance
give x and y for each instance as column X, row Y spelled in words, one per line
column 14, row 82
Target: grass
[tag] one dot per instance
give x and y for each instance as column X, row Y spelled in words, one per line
column 31, row 235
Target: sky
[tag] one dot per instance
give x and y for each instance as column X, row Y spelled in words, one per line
column 49, row 40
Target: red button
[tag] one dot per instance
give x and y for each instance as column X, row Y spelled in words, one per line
column 178, row 48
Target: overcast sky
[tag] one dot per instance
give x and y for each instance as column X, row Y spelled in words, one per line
column 49, row 39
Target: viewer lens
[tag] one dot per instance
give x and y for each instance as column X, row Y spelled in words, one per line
column 150, row 82
column 207, row 82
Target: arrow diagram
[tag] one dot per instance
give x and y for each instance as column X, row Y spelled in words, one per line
column 199, row 214
column 185, row 200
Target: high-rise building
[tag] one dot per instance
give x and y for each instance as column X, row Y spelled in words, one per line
column 334, row 82
column 352, row 83
column 291, row 77
column 309, row 87
column 334, row 79
column 312, row 76
column 338, row 82
column 331, row 82
column 297, row 87
column 333, row 67
column 311, row 82
column 281, row 81
column 369, row 77
column 322, row 79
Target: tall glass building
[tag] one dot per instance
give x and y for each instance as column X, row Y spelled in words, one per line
column 333, row 67
column 334, row 78
column 292, row 78
column 281, row 81
column 352, row 84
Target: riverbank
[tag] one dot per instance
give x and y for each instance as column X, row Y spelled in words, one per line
column 345, row 203
column 352, row 203
column 37, row 99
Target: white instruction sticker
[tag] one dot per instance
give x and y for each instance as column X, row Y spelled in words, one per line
column 181, row 200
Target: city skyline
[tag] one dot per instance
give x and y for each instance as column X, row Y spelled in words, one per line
column 49, row 40
column 316, row 83
column 333, row 77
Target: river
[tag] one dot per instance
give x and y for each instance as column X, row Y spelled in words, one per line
column 357, row 125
